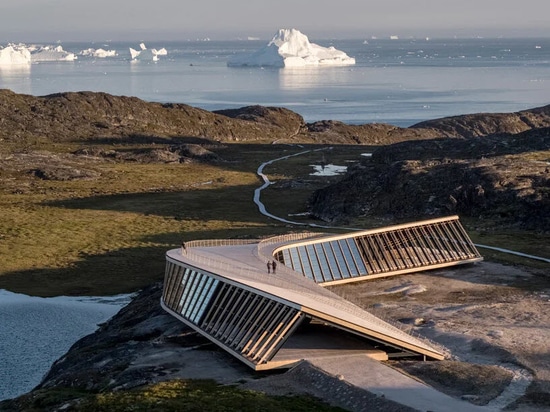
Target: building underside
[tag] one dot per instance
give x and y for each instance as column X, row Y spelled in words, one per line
column 222, row 289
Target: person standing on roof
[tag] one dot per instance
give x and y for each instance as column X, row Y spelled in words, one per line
column 268, row 267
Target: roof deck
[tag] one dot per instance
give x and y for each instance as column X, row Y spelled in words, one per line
column 222, row 289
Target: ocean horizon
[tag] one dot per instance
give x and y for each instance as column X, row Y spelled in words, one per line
column 394, row 81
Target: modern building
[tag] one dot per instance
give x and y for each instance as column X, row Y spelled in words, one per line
column 222, row 289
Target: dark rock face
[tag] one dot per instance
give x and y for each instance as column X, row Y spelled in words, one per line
column 183, row 153
column 104, row 359
column 330, row 132
column 89, row 115
column 483, row 124
column 85, row 116
column 500, row 177
column 283, row 118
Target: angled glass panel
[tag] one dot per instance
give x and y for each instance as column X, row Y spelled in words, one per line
column 340, row 259
column 349, row 257
column 186, row 283
column 200, row 293
column 201, row 302
column 357, row 255
column 323, row 263
column 193, row 277
column 304, row 259
column 331, row 259
column 296, row 264
column 286, row 258
column 315, row 268
column 195, row 293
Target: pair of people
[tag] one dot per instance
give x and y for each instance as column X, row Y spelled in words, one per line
column 271, row 266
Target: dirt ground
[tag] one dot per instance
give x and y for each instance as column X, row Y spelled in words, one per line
column 482, row 314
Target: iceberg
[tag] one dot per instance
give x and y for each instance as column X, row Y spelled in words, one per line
column 291, row 48
column 147, row 54
column 52, row 54
column 12, row 55
column 100, row 53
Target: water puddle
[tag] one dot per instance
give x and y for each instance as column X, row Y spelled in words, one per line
column 328, row 170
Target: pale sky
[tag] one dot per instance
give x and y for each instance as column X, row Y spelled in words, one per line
column 36, row 20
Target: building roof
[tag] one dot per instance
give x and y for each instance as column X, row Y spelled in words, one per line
column 241, row 267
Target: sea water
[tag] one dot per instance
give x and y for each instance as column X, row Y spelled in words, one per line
column 400, row 81
column 34, row 332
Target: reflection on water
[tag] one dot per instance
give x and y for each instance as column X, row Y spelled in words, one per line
column 309, row 77
column 15, row 69
column 400, row 82
column 17, row 74
column 328, row 170
column 34, row 332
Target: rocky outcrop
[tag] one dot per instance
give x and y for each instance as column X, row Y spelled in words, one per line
column 88, row 115
column 500, row 179
column 144, row 345
column 292, row 123
column 92, row 116
column 333, row 132
column 483, row 124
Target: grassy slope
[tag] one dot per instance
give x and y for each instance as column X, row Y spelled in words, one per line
column 108, row 236
column 178, row 395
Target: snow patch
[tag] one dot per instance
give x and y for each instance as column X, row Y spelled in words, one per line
column 291, row 48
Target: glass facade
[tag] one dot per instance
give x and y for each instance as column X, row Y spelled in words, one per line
column 251, row 315
column 413, row 246
column 246, row 323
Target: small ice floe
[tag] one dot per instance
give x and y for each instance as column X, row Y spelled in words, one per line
column 14, row 55
column 328, row 170
column 147, row 54
column 52, row 54
column 100, row 53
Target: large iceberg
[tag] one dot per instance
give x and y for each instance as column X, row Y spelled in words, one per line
column 12, row 55
column 52, row 54
column 147, row 54
column 291, row 48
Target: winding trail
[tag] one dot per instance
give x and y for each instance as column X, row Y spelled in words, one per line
column 267, row 182
column 522, row 378
column 263, row 210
